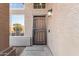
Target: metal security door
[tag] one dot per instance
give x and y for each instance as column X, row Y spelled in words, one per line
column 39, row 30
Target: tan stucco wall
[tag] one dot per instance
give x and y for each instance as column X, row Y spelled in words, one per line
column 17, row 11
column 63, row 38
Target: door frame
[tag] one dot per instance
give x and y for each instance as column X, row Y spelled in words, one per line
column 33, row 30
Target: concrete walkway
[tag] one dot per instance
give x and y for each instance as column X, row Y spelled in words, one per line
column 36, row 50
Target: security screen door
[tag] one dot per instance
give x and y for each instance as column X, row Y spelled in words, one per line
column 39, row 30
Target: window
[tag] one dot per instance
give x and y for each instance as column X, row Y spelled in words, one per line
column 17, row 25
column 39, row 5
column 16, row 5
column 16, row 19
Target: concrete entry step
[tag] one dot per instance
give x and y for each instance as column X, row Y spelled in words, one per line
column 36, row 50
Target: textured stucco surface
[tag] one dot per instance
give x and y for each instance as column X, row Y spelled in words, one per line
column 63, row 38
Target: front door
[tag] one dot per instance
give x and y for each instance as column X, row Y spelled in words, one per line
column 39, row 30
